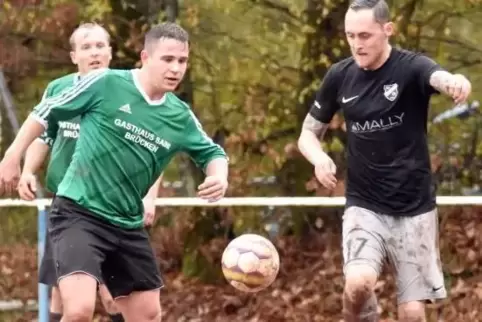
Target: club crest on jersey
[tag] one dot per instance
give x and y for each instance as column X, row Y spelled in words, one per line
column 390, row 92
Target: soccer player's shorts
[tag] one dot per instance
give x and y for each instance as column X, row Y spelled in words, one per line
column 121, row 259
column 47, row 271
column 409, row 244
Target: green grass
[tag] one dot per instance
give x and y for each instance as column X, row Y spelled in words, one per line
column 18, row 225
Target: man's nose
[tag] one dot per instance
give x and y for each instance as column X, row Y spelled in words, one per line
column 94, row 52
column 175, row 67
column 358, row 44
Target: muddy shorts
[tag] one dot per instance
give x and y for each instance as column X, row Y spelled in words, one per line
column 409, row 244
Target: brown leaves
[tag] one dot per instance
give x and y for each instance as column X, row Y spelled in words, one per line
column 18, row 272
column 31, row 34
column 309, row 285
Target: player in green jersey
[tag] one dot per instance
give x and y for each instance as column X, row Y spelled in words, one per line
column 131, row 127
column 90, row 50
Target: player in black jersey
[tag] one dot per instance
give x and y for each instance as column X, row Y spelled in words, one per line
column 390, row 212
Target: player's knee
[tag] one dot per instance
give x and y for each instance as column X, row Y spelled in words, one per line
column 155, row 316
column 360, row 281
column 360, row 278
column 411, row 312
column 141, row 306
column 153, row 313
column 79, row 313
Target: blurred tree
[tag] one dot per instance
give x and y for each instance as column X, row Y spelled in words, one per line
column 255, row 66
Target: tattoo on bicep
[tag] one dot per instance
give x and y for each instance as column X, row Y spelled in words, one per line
column 441, row 80
column 313, row 125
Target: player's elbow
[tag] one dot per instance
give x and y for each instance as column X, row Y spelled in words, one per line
column 37, row 150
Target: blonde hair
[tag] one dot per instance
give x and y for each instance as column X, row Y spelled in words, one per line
column 86, row 26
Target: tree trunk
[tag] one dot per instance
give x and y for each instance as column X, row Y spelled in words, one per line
column 126, row 14
column 321, row 49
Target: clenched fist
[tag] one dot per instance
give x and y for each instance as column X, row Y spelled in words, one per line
column 459, row 89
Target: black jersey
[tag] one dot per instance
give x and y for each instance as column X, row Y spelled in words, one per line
column 386, row 113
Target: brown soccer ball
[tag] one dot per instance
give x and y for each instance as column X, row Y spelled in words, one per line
column 250, row 263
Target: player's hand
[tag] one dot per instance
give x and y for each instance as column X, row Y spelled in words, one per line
column 9, row 174
column 27, row 186
column 325, row 171
column 149, row 211
column 213, row 188
column 459, row 89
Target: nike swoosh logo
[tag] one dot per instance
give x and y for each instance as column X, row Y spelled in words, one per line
column 346, row 100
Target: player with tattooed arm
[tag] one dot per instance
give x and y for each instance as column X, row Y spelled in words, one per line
column 390, row 211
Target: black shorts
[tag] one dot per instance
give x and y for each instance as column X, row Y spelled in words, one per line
column 121, row 259
column 47, row 273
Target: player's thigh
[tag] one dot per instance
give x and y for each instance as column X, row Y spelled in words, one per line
column 78, row 293
column 414, row 254
column 363, row 243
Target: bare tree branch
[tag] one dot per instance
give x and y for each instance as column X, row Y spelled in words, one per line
column 278, row 7
column 453, row 41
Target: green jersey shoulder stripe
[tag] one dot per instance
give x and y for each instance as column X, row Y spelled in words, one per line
column 203, row 133
column 198, row 124
column 68, row 95
column 71, row 93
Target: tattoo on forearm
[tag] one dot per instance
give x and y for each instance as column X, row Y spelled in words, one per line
column 442, row 81
column 313, row 125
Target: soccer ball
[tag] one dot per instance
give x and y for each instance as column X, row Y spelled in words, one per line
column 250, row 263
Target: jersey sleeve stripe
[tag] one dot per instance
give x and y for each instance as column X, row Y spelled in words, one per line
column 64, row 97
column 204, row 134
column 39, row 119
column 200, row 128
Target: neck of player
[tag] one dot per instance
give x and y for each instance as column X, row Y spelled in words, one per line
column 383, row 58
column 146, row 84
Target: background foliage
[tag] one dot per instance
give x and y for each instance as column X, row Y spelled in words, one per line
column 254, row 68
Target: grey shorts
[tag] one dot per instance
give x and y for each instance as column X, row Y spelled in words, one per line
column 409, row 244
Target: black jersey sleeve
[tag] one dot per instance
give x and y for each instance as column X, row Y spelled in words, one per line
column 325, row 105
column 423, row 67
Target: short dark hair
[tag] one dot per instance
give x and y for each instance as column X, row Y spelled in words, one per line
column 168, row 30
column 379, row 7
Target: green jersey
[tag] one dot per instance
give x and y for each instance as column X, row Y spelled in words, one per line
column 60, row 136
column 127, row 140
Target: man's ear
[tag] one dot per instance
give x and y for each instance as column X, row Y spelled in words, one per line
column 389, row 29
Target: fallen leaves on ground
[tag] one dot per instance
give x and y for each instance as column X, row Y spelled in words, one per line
column 308, row 287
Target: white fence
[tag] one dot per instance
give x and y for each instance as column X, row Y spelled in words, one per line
column 256, row 202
